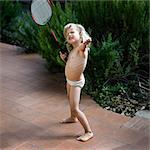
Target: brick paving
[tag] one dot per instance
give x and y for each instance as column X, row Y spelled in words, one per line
column 33, row 101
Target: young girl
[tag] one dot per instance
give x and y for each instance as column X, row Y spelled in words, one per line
column 78, row 44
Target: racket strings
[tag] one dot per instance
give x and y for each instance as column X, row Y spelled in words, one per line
column 41, row 11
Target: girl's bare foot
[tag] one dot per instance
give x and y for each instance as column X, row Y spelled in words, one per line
column 85, row 137
column 69, row 120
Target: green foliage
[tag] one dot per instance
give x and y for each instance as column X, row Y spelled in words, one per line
column 106, row 96
column 113, row 79
column 26, row 32
column 105, row 61
column 9, row 10
column 124, row 19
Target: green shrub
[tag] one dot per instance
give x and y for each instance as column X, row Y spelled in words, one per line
column 25, row 32
column 9, row 10
column 104, row 61
column 111, row 80
column 124, row 19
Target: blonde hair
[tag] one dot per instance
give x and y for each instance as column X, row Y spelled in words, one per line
column 83, row 34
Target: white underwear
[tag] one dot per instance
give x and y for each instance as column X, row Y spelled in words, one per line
column 79, row 83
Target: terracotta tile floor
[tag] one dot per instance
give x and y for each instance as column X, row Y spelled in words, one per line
column 33, row 101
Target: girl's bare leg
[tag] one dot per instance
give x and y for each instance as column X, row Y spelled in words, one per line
column 74, row 102
column 72, row 118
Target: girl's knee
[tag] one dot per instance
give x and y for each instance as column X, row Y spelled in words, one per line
column 75, row 110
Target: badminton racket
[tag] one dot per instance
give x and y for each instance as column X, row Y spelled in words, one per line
column 41, row 11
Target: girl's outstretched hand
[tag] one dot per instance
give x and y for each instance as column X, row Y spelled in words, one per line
column 87, row 42
column 84, row 44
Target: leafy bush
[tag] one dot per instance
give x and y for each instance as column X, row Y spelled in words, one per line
column 115, row 84
column 25, row 32
column 124, row 19
column 9, row 10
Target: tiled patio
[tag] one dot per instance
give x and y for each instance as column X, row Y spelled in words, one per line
column 33, row 101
